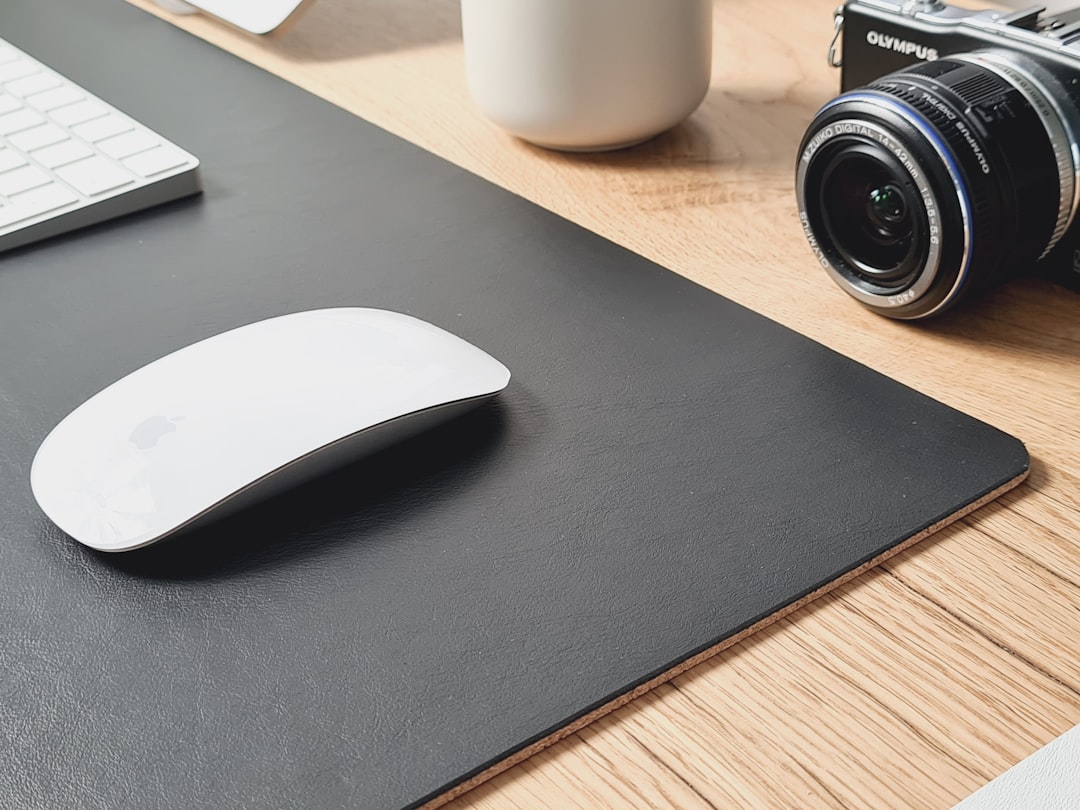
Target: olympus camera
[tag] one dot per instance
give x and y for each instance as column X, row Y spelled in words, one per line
column 950, row 161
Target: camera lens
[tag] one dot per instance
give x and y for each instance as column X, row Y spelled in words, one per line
column 941, row 179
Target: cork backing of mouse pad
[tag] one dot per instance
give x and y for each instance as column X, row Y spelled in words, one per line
column 666, row 473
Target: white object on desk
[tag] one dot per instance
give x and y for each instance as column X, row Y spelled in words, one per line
column 587, row 74
column 254, row 16
column 177, row 6
column 237, row 417
column 1049, row 779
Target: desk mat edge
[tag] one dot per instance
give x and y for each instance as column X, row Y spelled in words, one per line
column 516, row 757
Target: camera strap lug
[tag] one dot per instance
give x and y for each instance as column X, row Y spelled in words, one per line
column 838, row 28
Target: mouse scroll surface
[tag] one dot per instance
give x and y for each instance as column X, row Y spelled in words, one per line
column 188, row 433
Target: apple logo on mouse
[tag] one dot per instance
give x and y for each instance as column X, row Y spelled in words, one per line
column 150, row 431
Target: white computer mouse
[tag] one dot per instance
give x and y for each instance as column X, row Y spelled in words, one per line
column 232, row 419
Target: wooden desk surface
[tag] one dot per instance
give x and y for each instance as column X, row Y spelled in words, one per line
column 923, row 679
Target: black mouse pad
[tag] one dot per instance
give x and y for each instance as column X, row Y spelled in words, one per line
column 666, row 471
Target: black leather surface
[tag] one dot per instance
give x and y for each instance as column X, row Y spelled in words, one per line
column 665, row 469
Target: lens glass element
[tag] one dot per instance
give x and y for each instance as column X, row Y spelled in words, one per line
column 869, row 208
column 887, row 208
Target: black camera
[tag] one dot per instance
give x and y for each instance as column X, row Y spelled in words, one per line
column 950, row 161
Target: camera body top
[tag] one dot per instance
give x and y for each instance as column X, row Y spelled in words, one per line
column 883, row 36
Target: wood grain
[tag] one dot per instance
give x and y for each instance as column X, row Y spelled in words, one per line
column 910, row 686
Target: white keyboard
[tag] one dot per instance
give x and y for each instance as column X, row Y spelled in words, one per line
column 68, row 159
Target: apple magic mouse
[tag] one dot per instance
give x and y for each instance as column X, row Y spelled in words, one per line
column 234, row 418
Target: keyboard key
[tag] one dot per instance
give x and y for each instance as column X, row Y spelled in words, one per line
column 52, row 99
column 21, row 179
column 9, row 103
column 29, row 85
column 19, row 120
column 16, row 70
column 94, row 175
column 8, row 55
column 156, row 161
column 30, row 139
column 9, row 159
column 128, row 144
column 104, row 127
column 78, row 112
column 57, row 155
column 33, row 203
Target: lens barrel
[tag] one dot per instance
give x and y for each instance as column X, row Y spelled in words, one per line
column 938, row 180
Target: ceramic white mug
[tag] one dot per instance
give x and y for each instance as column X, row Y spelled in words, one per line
column 587, row 74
